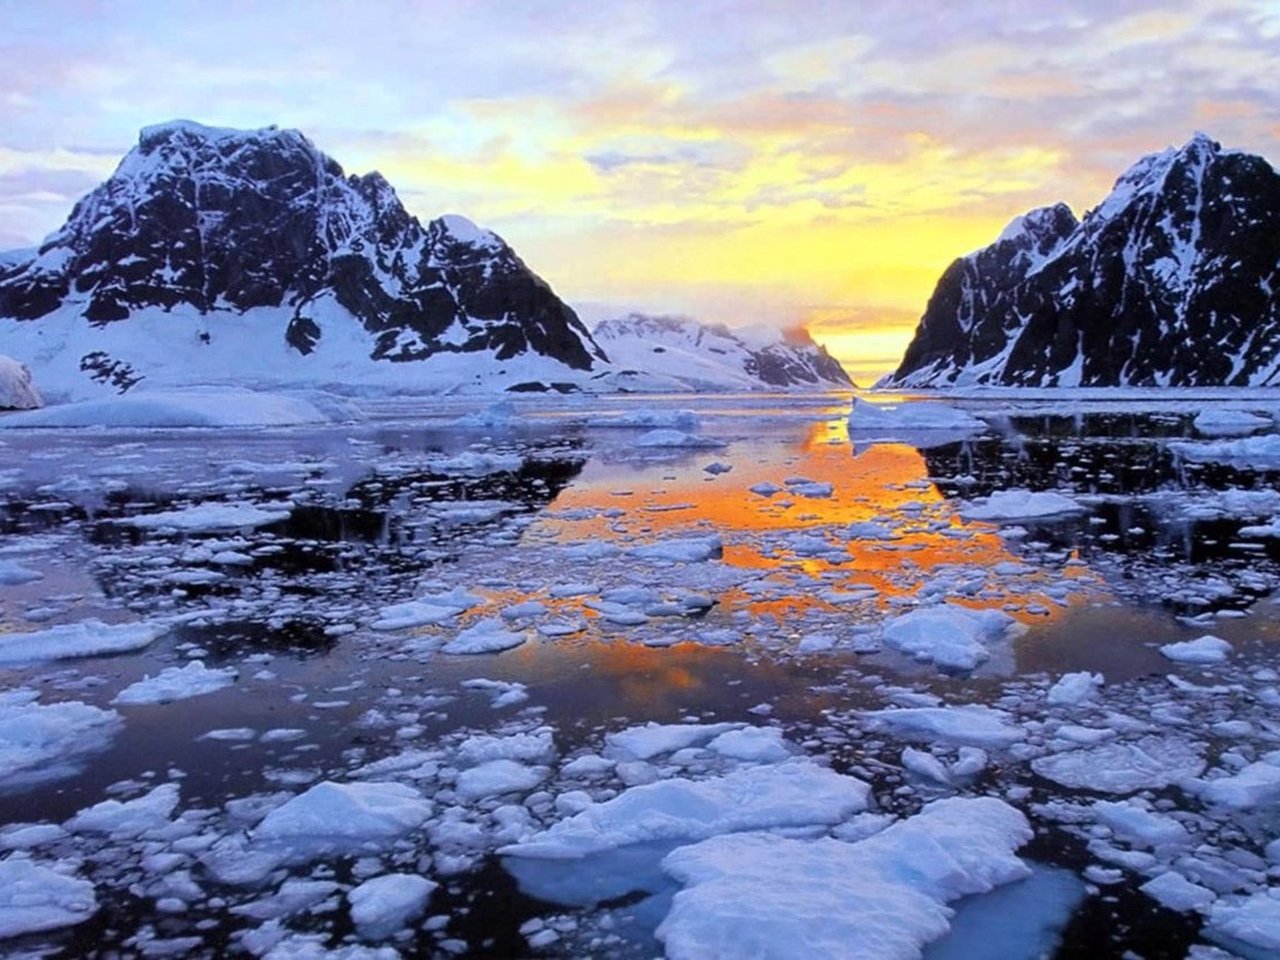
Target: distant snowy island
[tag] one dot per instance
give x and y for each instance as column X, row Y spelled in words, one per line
column 249, row 258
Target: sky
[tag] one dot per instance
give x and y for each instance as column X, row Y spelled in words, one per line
column 781, row 162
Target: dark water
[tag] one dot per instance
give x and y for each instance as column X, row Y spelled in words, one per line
column 402, row 507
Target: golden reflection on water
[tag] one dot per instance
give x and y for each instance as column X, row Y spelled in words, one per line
column 885, row 485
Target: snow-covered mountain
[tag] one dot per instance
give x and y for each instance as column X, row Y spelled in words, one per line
column 1172, row 280
column 249, row 256
column 665, row 353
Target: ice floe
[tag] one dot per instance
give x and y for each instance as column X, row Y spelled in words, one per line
column 190, row 407
column 953, row 637
column 36, row 897
column 1021, row 505
column 177, row 683
column 89, row 638
column 881, row 898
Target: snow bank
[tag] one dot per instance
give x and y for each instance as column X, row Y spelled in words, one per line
column 177, row 683
column 954, row 638
column 190, row 407
column 1020, row 505
column 35, row 897
column 796, row 793
column 88, row 638
column 17, row 392
column 881, row 898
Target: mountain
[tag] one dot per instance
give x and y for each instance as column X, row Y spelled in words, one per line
column 250, row 256
column 675, row 353
column 1171, row 281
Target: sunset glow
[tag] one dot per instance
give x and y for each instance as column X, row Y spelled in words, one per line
column 740, row 163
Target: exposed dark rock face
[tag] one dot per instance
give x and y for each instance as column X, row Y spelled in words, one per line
column 230, row 220
column 1171, row 281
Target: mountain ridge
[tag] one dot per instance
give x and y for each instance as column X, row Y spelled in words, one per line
column 1167, row 282
column 207, row 222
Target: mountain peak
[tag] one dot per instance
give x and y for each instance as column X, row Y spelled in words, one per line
column 1169, row 281
column 206, row 222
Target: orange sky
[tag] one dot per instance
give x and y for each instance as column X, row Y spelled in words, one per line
column 756, row 161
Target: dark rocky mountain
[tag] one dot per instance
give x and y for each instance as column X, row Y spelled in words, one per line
column 213, row 220
column 1171, row 281
column 712, row 356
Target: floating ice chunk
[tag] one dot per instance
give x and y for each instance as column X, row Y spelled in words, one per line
column 955, row 638
column 503, row 693
column 971, row 724
column 45, row 741
column 650, row 418
column 1259, row 452
column 177, row 683
column 132, row 818
column 1175, row 892
column 922, row 424
column 1021, row 505
column 12, row 573
column 752, row 745
column 796, row 793
column 765, row 489
column 16, row 389
column 500, row 414
column 682, row 550
column 537, row 747
column 474, row 464
column 925, row 765
column 89, row 638
column 353, row 812
column 484, row 636
column 1131, row 821
column 413, row 613
column 1206, row 649
column 293, row 897
column 497, row 777
column 715, row 468
column 1218, row 422
column 878, row 899
column 1073, row 688
column 386, row 904
column 35, row 897
column 664, row 438
column 1255, row 785
column 1253, row 921
column 1150, row 763
column 208, row 517
column 653, row 739
column 189, row 407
